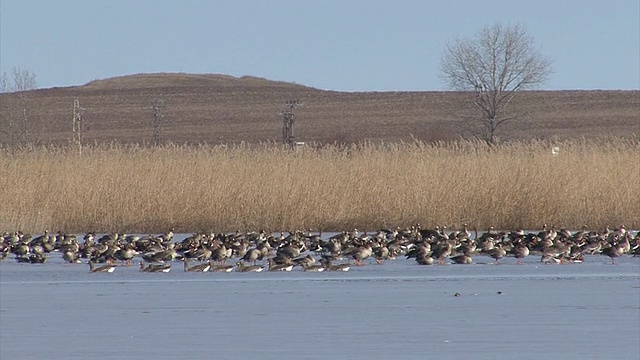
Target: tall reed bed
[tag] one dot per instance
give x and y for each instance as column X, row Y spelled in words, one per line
column 365, row 186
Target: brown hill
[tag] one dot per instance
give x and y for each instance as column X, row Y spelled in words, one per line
column 221, row 109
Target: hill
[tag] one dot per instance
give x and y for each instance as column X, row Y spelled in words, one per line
column 221, row 109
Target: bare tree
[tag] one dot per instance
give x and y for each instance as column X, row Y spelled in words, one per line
column 4, row 83
column 493, row 67
column 23, row 80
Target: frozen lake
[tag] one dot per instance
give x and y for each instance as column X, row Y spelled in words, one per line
column 396, row 310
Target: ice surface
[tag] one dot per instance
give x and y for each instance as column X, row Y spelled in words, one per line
column 398, row 310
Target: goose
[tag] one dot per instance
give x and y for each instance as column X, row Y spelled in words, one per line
column 442, row 251
column 239, row 249
column 461, row 234
column 98, row 250
column 312, row 268
column 279, row 267
column 161, row 256
column 334, row 247
column 462, row 259
column 337, row 267
column 253, row 255
column 420, row 249
column 168, row 236
column 575, row 254
column 381, row 254
column 165, row 268
column 221, row 268
column 547, row 233
column 613, row 252
column 282, row 259
column 71, row 257
column 265, row 247
column 240, row 267
column 557, row 250
column 37, row 259
column 126, row 254
column 624, row 243
column 467, row 247
column 498, row 253
column 593, row 248
column 221, row 254
column 359, row 254
column 564, row 234
column 40, row 238
column 71, row 245
column 292, row 250
column 37, row 250
column 424, row 259
column 635, row 250
column 204, row 267
column 21, row 249
column 108, row 238
column 305, row 260
column 521, row 251
column 104, row 268
column 201, row 253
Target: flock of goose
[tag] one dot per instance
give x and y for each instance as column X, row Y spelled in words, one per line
column 256, row 251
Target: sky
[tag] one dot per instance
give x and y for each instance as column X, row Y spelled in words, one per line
column 343, row 45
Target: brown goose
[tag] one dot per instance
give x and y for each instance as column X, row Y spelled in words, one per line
column 165, row 268
column 104, row 268
column 613, row 252
column 279, row 267
column 420, row 249
column 592, row 248
column 312, row 268
column 166, row 255
column 497, row 253
column 381, row 254
column 204, row 267
column 442, row 251
column 253, row 255
column 221, row 254
column 291, row 250
column 282, row 259
column 334, row 247
column 557, row 250
column 305, row 260
column 462, row 259
column 337, row 267
column 221, row 268
column 521, row 251
column 71, row 257
column 201, row 253
column 126, row 254
column 240, row 267
column 424, row 259
column 359, row 254
column 551, row 259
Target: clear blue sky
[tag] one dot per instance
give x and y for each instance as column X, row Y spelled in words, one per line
column 345, row 45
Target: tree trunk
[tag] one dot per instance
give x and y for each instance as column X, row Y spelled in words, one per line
column 25, row 122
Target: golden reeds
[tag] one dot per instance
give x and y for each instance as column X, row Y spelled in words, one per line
column 366, row 186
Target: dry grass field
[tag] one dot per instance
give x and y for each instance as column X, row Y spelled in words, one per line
column 398, row 160
column 217, row 109
column 138, row 189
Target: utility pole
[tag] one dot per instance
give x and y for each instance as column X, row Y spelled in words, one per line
column 156, row 106
column 77, row 125
column 288, row 138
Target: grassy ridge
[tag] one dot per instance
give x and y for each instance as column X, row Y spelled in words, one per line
column 368, row 186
